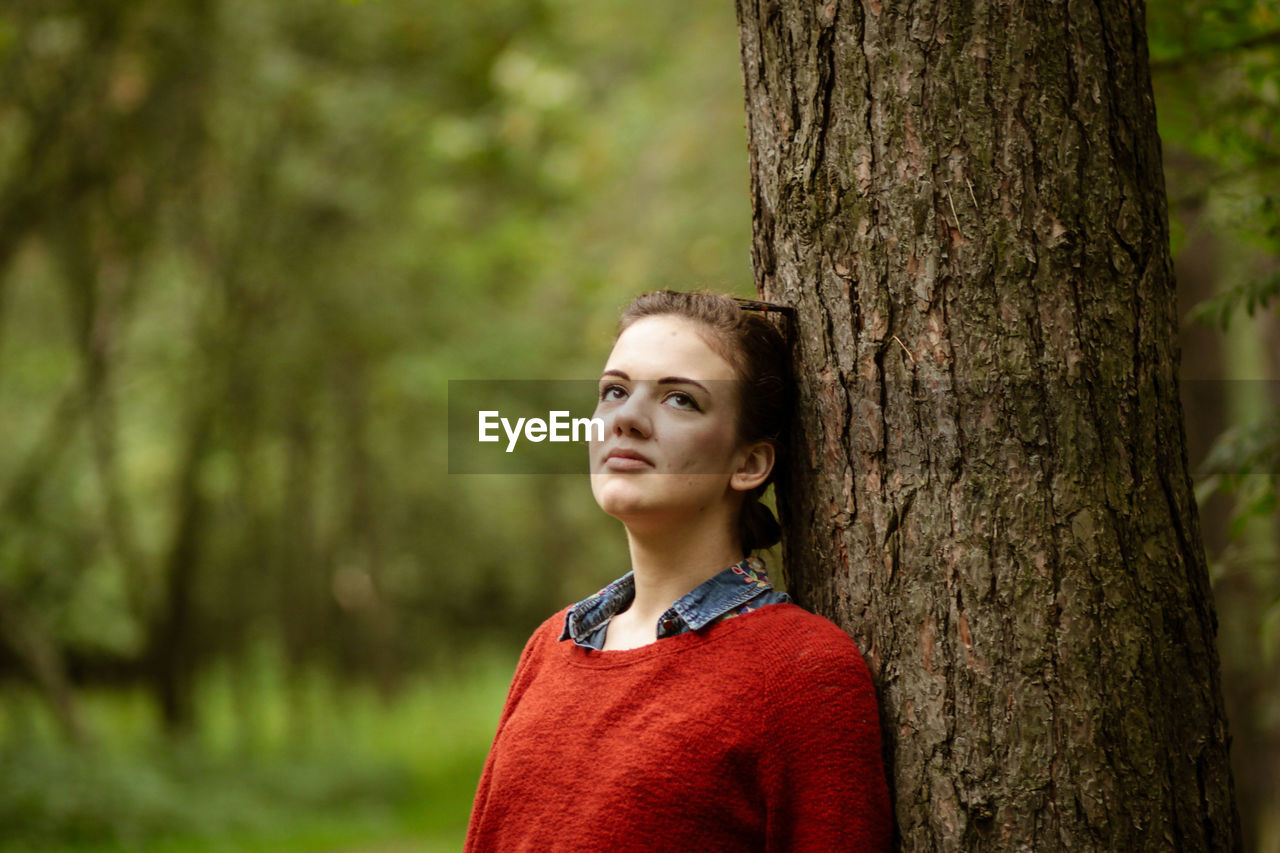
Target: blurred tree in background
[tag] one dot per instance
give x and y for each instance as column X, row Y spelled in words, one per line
column 1216, row 72
column 243, row 247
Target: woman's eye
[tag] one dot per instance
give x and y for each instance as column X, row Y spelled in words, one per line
column 612, row 392
column 683, row 400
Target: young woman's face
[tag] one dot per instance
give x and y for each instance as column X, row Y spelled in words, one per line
column 670, row 406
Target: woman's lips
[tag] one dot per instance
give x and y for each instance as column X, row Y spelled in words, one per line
column 626, row 461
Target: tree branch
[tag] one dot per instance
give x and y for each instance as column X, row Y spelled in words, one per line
column 1176, row 62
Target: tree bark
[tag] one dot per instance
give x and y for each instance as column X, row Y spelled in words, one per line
column 990, row 492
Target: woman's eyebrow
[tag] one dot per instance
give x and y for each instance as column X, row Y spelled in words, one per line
column 666, row 380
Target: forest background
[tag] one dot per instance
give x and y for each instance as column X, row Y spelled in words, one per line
column 243, row 249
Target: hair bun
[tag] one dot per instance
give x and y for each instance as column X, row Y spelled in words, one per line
column 758, row 528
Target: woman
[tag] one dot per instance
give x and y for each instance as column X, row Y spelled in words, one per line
column 687, row 706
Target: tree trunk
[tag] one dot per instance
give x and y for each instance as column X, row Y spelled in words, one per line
column 40, row 656
column 965, row 204
column 172, row 651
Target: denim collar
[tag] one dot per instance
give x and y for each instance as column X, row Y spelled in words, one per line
column 711, row 599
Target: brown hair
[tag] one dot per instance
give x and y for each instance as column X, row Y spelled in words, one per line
column 756, row 350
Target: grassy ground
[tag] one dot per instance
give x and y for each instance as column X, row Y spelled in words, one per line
column 301, row 766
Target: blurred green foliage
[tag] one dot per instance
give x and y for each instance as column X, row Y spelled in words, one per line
column 243, row 248
column 266, row 237
column 312, row 764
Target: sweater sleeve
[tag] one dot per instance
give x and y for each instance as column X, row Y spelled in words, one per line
column 526, row 667
column 823, row 775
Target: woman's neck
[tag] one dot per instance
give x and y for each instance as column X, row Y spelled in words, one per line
column 669, row 564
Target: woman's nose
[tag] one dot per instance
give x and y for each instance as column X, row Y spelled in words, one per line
column 631, row 418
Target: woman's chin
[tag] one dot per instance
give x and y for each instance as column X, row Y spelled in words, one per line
column 620, row 506
column 623, row 497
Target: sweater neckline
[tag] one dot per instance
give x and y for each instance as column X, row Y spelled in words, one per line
column 665, row 647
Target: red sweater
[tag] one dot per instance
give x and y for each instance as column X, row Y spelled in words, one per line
column 759, row 733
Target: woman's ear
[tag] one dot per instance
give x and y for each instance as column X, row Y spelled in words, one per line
column 753, row 468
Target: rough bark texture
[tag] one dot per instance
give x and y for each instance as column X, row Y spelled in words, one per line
column 965, row 203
